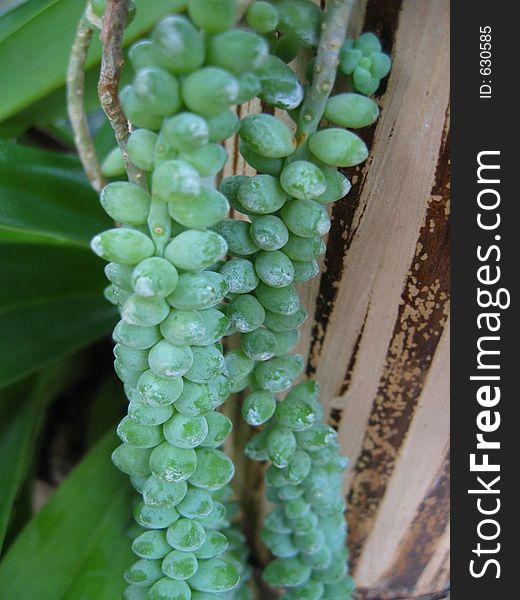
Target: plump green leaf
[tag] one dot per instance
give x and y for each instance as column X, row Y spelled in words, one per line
column 20, row 407
column 76, row 548
column 51, row 304
column 46, row 198
column 35, row 42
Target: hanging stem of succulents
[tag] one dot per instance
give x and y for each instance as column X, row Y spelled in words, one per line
column 76, row 103
column 112, row 62
column 334, row 28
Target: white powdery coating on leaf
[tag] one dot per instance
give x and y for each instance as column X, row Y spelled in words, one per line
column 97, row 245
column 262, row 355
column 127, row 314
column 346, row 187
column 241, row 325
column 253, row 416
column 143, row 286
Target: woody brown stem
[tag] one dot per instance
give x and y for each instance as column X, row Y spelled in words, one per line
column 112, row 62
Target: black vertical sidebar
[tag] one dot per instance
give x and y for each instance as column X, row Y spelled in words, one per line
column 485, row 326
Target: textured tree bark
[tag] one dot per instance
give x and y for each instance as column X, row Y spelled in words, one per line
column 377, row 337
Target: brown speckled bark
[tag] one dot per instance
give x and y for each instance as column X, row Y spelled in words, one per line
column 377, row 337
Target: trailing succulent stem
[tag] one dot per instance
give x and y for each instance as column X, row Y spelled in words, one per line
column 185, row 276
column 325, row 67
column 76, row 107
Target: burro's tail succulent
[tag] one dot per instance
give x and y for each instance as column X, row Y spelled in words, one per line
column 186, row 274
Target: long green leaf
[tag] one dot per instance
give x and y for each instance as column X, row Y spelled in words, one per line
column 35, row 42
column 76, row 548
column 108, row 407
column 33, row 275
column 17, row 16
column 53, row 107
column 51, row 305
column 20, row 408
column 45, row 197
